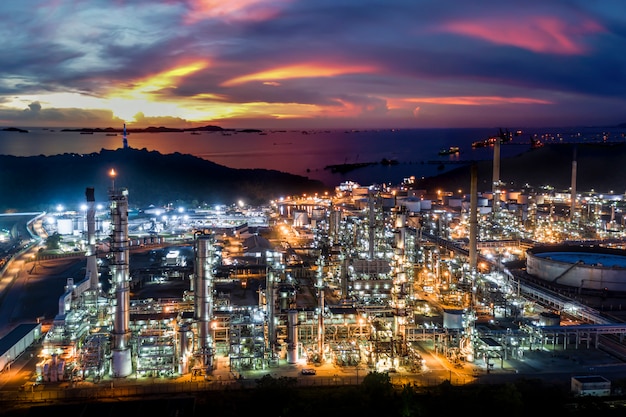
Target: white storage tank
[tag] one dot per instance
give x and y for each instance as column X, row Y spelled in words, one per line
column 300, row 219
column 453, row 318
column 413, row 205
column 65, row 226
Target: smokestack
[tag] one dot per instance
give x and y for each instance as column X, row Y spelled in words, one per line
column 473, row 233
column 121, row 353
column 495, row 183
column 203, row 300
column 372, row 224
column 92, row 261
column 572, row 209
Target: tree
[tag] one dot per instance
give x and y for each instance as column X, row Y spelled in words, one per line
column 54, row 241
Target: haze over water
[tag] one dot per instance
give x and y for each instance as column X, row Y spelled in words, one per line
column 308, row 152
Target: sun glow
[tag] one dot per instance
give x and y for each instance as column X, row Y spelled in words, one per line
column 146, row 96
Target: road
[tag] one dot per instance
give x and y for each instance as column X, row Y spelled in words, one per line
column 31, row 289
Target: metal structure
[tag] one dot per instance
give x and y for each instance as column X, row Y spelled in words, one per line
column 376, row 268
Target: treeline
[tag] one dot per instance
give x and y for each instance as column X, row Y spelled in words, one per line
column 375, row 396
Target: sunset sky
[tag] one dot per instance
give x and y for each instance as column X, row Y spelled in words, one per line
column 312, row 63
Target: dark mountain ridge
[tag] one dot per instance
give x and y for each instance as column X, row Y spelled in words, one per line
column 40, row 182
column 600, row 167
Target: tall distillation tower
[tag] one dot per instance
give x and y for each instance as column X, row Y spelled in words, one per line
column 121, row 351
column 272, row 277
column 203, row 300
column 572, row 209
column 495, row 182
column 92, row 260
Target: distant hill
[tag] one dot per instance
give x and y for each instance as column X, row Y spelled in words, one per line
column 151, row 129
column 599, row 167
column 41, row 182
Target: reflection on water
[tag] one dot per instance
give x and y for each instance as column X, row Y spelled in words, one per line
column 307, row 153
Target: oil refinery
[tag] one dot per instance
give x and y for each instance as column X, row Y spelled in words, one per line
column 371, row 277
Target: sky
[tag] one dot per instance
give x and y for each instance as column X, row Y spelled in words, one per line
column 272, row 64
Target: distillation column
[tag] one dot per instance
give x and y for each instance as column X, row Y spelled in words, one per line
column 270, row 302
column 572, row 209
column 473, row 220
column 399, row 279
column 92, row 260
column 292, row 336
column 121, row 354
column 203, row 301
column 495, row 183
column 320, row 308
column 372, row 224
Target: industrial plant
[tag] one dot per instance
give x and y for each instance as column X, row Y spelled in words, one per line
column 372, row 278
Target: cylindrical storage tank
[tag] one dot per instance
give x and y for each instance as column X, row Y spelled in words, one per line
column 522, row 199
column 300, row 219
column 583, row 267
column 65, row 226
column 426, row 204
column 512, row 195
column 453, row 318
column 482, row 202
column 549, row 319
column 318, row 213
column 389, row 202
column 412, row 205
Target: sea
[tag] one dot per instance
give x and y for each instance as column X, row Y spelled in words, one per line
column 386, row 156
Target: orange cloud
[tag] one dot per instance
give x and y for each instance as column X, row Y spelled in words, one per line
column 251, row 10
column 308, row 70
column 169, row 78
column 542, row 34
column 476, row 100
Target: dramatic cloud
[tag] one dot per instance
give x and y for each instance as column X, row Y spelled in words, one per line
column 317, row 63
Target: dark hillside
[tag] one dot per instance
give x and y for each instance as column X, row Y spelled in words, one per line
column 601, row 167
column 38, row 182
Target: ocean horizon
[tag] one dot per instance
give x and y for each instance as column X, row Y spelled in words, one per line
column 385, row 155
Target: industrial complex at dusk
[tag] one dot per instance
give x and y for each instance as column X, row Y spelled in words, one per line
column 423, row 287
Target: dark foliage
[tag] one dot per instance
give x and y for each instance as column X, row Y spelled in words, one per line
column 38, row 182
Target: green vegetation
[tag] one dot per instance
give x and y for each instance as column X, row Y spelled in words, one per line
column 53, row 242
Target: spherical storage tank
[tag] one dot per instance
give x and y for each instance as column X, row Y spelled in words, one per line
column 582, row 267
